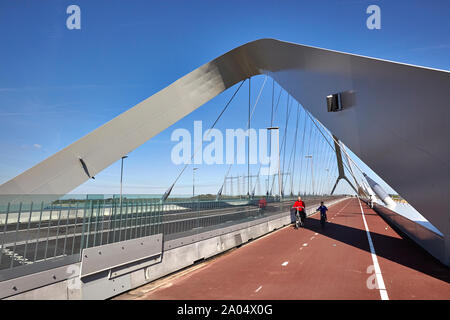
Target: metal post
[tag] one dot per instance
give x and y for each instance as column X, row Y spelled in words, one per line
column 193, row 182
column 121, row 178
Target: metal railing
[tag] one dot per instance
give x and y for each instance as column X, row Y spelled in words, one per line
column 32, row 233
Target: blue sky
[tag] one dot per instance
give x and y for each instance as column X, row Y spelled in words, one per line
column 56, row 85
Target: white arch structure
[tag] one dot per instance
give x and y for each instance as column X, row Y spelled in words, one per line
column 395, row 118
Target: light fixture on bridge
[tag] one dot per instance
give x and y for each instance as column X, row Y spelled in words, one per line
column 334, row 102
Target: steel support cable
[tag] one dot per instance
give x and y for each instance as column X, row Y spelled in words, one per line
column 295, row 148
column 318, row 162
column 270, row 134
column 257, row 99
column 279, row 164
column 250, row 115
column 337, row 142
column 325, row 171
column 331, row 146
column 335, row 173
column 278, row 101
column 303, row 163
column 321, row 166
column 330, row 158
column 224, row 182
column 324, row 158
column 291, row 160
column 282, row 144
column 326, row 166
column 293, row 153
column 296, row 139
column 349, row 165
column 248, row 124
column 285, row 143
column 254, row 108
column 167, row 193
column 333, row 140
column 313, row 154
column 271, row 124
column 307, row 162
column 354, row 163
column 303, row 153
column 257, row 179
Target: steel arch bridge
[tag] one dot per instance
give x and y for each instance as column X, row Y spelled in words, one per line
column 394, row 117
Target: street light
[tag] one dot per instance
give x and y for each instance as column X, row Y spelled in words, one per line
column 121, row 178
column 312, row 171
column 193, row 182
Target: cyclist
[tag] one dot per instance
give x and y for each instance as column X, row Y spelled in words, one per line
column 262, row 203
column 323, row 213
column 299, row 206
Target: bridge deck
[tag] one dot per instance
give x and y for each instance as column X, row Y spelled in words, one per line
column 313, row 263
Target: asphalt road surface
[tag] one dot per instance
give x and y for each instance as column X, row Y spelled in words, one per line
column 334, row 262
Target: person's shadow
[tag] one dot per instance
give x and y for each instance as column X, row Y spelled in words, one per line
column 400, row 250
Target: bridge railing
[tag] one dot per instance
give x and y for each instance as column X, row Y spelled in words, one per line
column 42, row 233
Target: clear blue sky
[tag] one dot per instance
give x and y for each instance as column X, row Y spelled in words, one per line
column 56, row 85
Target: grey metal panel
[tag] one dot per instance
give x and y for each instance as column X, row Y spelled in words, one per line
column 119, row 271
column 426, row 238
column 37, row 280
column 102, row 287
column 53, row 291
column 97, row 259
column 38, row 267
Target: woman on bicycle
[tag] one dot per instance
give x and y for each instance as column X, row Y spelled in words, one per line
column 299, row 206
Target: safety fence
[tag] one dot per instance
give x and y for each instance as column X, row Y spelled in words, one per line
column 32, row 233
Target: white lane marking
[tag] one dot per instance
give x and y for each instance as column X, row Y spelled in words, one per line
column 380, row 281
column 305, row 244
column 311, row 238
column 316, row 234
column 258, row 289
column 284, row 264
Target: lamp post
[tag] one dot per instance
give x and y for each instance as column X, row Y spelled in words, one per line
column 121, row 179
column 312, row 171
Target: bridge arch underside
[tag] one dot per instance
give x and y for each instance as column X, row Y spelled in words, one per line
column 395, row 118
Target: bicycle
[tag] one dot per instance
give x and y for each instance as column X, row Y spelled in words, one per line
column 299, row 219
column 323, row 219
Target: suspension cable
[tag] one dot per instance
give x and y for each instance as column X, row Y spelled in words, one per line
column 167, row 193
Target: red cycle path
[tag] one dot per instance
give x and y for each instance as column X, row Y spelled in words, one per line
column 315, row 263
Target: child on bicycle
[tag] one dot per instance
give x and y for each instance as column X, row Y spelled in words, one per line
column 323, row 211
